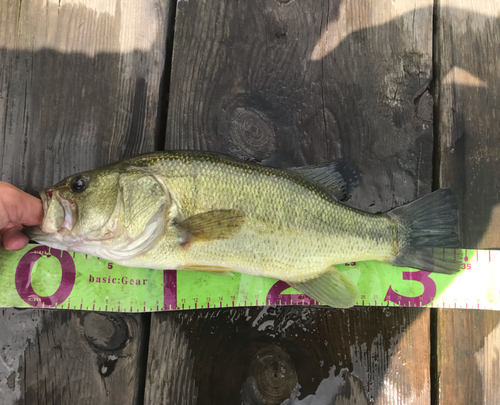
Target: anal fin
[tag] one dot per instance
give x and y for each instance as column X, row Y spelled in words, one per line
column 332, row 288
column 218, row 270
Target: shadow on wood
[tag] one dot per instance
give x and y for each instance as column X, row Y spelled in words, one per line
column 266, row 355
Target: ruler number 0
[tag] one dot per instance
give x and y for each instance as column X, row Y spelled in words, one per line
column 23, row 277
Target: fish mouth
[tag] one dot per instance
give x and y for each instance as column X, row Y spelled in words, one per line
column 60, row 214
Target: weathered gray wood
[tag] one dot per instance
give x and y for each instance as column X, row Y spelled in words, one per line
column 65, row 357
column 79, row 87
column 468, row 92
column 254, row 85
column 289, row 83
column 258, row 355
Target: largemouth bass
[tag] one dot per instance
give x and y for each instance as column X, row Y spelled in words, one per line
column 210, row 212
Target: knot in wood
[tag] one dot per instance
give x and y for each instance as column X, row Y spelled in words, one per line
column 183, row 5
column 253, row 132
column 105, row 332
column 274, row 375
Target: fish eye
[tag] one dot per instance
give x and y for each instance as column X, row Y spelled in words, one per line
column 79, row 184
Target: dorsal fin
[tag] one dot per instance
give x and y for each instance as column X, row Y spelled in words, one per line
column 338, row 177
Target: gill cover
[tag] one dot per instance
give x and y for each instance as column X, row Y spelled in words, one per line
column 145, row 206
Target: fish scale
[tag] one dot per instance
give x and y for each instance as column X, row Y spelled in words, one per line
column 205, row 211
column 311, row 241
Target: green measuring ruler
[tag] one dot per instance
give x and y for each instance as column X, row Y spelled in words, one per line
column 40, row 277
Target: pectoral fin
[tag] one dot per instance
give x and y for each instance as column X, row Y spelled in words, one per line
column 332, row 288
column 212, row 225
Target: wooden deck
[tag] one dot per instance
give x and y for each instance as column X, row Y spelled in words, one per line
column 408, row 92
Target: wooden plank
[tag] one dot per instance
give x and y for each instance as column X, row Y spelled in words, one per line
column 287, row 84
column 230, row 356
column 61, row 357
column 468, row 87
column 79, row 87
column 256, row 87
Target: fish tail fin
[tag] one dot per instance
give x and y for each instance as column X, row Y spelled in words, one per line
column 332, row 288
column 425, row 227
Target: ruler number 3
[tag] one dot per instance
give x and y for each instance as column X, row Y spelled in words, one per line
column 425, row 298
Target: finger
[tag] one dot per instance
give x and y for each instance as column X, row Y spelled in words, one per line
column 19, row 207
column 14, row 239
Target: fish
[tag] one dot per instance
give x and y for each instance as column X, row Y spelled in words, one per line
column 204, row 211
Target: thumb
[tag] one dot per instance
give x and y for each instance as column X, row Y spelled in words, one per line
column 18, row 207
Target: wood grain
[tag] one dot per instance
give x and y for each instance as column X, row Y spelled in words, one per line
column 277, row 82
column 76, row 357
column 258, row 355
column 468, row 89
column 244, row 81
column 79, row 87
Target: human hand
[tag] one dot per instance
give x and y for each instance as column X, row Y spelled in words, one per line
column 17, row 209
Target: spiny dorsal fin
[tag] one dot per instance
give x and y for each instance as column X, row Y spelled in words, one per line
column 338, row 178
column 212, row 225
column 332, row 288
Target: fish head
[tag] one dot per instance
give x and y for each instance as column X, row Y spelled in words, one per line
column 111, row 213
column 78, row 208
